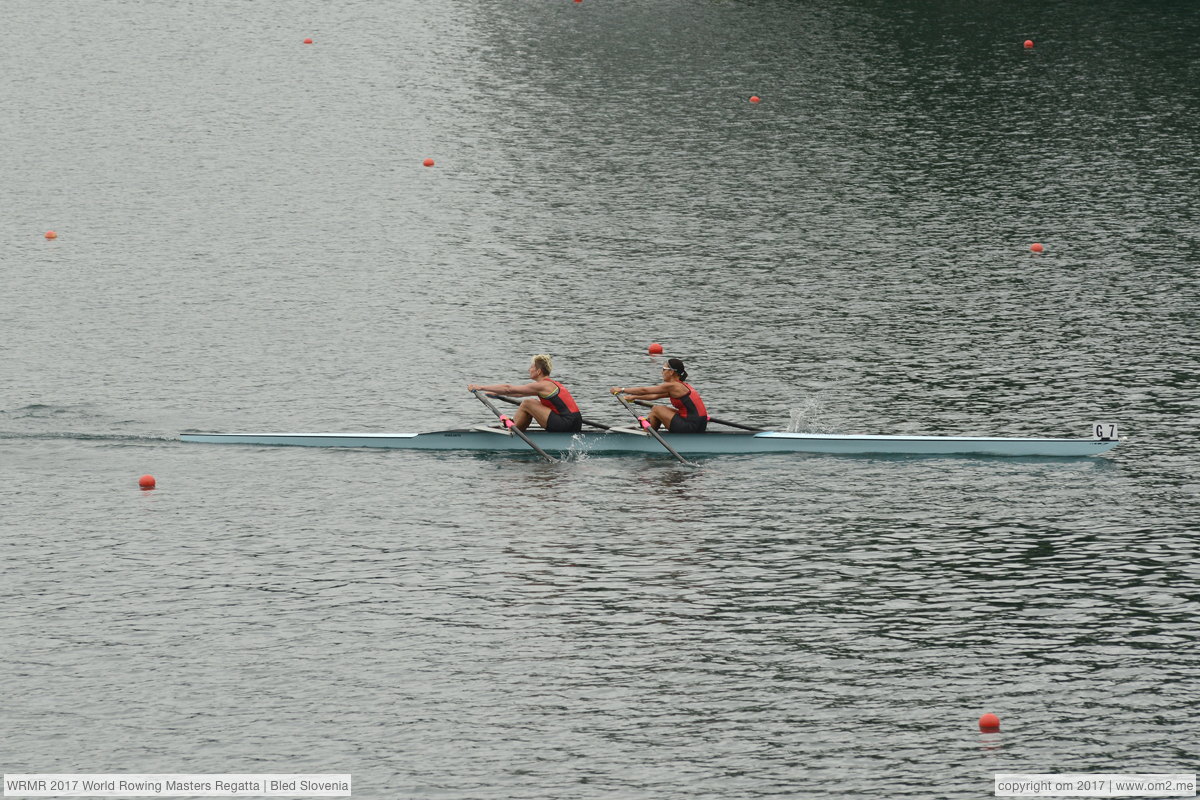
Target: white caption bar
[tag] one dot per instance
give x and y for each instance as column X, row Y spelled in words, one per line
column 1094, row 785
column 155, row 785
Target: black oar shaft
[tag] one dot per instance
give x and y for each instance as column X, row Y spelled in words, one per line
column 648, row 404
column 651, row 431
column 599, row 425
column 479, row 393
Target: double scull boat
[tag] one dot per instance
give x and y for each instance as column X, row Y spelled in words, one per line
column 629, row 440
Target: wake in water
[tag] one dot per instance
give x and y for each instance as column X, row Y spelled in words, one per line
column 43, row 421
column 87, row 437
column 45, row 411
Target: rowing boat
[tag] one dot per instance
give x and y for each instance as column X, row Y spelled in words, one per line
column 711, row 443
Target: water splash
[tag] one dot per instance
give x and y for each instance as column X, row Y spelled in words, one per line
column 810, row 416
column 579, row 451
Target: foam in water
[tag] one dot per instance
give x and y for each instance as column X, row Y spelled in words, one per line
column 579, row 451
column 809, row 416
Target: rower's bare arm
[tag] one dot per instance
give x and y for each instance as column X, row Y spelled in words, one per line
column 506, row 388
column 644, row 392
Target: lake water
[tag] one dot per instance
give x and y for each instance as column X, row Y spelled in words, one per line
column 247, row 240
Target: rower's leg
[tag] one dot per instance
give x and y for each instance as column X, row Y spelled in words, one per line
column 529, row 410
column 661, row 416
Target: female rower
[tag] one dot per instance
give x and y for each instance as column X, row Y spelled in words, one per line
column 547, row 400
column 688, row 414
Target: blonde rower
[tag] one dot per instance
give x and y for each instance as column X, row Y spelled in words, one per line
column 548, row 401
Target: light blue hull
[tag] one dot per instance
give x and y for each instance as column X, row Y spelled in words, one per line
column 713, row 443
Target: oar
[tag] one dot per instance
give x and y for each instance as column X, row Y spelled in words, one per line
column 512, row 428
column 646, row 426
column 504, row 399
column 710, row 419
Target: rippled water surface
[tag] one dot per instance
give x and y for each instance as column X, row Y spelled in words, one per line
column 247, row 240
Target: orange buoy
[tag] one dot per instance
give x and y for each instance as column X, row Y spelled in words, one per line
column 51, row 235
column 1029, row 44
column 428, row 162
column 655, row 349
column 755, row 99
column 989, row 723
column 147, row 482
column 308, row 41
column 1036, row 247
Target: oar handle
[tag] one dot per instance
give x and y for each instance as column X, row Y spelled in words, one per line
column 504, row 399
column 507, row 423
column 710, row 419
column 650, row 430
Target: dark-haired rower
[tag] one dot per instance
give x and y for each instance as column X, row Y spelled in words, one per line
column 688, row 414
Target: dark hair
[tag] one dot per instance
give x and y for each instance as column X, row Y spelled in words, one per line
column 677, row 365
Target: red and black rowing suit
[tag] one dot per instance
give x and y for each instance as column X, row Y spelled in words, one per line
column 691, row 416
column 564, row 414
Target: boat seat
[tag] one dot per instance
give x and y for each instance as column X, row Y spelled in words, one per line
column 634, row 431
column 492, row 429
